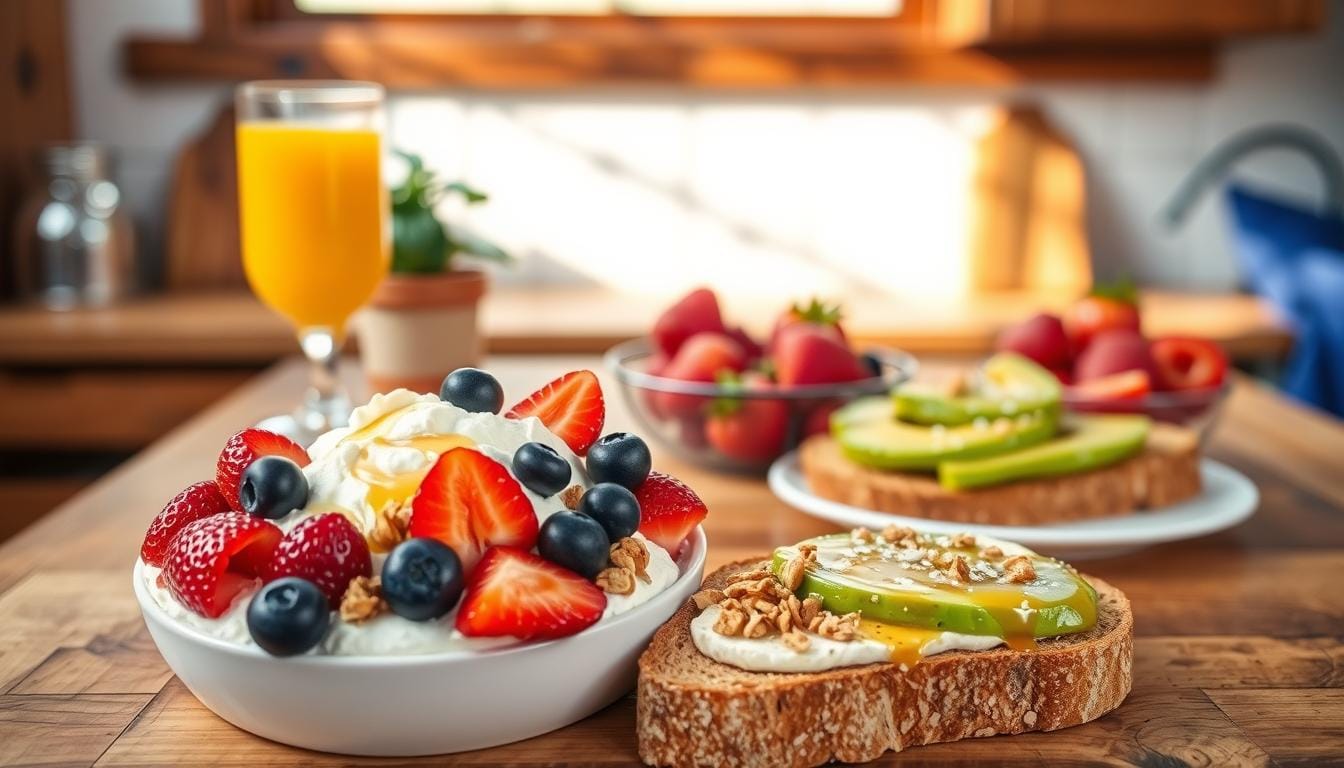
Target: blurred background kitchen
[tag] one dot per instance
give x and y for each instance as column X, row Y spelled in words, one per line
column 943, row 167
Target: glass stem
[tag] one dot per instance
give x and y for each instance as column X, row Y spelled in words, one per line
column 326, row 405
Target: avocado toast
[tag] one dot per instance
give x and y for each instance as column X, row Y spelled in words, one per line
column 802, row 690
column 1002, row 453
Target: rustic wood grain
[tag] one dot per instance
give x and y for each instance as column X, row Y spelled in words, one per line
column 1239, row 659
column 1296, row 726
column 62, row 730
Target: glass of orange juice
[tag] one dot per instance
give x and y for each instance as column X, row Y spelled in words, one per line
column 314, row 216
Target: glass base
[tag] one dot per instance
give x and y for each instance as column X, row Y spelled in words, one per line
column 305, row 424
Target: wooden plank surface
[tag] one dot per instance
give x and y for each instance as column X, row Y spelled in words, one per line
column 1239, row 654
column 220, row 328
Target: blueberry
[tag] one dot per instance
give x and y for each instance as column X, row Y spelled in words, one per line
column 472, row 389
column 422, row 579
column 614, row 507
column 620, row 458
column 288, row 616
column 272, row 487
column 574, row 541
column 541, row 469
column 871, row 363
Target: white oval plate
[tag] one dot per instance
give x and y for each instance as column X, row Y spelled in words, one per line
column 1229, row 497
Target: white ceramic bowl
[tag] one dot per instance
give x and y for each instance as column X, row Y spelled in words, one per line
column 419, row 705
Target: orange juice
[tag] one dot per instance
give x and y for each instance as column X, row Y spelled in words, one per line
column 314, row 219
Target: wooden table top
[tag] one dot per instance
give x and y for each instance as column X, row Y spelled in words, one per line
column 1239, row 657
column 220, row 328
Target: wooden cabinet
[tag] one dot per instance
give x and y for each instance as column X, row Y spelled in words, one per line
column 1136, row 22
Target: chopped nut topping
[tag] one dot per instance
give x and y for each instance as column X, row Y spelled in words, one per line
column 792, row 573
column 389, row 527
column 963, row 541
column 808, row 552
column 706, row 597
column 958, row 569
column 862, row 534
column 616, row 581
column 363, row 600
column 897, row 533
column 991, row 553
column 630, row 553
column 571, row 495
column 942, row 560
column 730, row 622
column 1019, row 570
column 797, row 641
column 755, row 605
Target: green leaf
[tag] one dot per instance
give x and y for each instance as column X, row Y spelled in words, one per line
column 472, row 196
column 1124, row 289
column 419, row 242
column 469, row 243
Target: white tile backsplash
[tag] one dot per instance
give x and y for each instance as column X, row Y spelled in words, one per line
column 818, row 191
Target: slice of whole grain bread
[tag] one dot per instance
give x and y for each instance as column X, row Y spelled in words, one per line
column 1165, row 472
column 694, row 711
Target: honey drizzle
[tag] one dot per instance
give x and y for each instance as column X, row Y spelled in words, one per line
column 397, row 487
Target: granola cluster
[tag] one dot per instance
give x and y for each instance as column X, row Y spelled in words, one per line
column 758, row 604
column 390, row 527
column 629, row 561
column 363, row 600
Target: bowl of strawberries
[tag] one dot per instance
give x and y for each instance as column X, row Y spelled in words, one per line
column 1108, row 365
column 722, row 398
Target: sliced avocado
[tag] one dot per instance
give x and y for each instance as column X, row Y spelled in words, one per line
column 1007, row 384
column 883, row 583
column 869, row 434
column 1088, row 442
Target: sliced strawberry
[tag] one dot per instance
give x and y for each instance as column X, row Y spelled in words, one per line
column 696, row 312
column 1186, row 363
column 470, row 502
column 243, row 449
column 326, row 550
column 515, row 593
column 808, row 354
column 213, row 559
column 571, row 407
column 1126, row 385
column 668, row 511
column 196, row 501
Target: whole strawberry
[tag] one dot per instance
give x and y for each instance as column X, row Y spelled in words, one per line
column 196, row 501
column 213, row 559
column 246, row 447
column 326, row 550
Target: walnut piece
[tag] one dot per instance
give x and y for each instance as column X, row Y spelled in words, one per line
column 963, row 541
column 1019, row 570
column 893, row 534
column 616, row 581
column 363, row 600
column 958, row 569
column 629, row 553
column 991, row 553
column 792, row 573
column 861, row 534
column 730, row 622
column 389, row 527
column 570, row 496
column 706, row 597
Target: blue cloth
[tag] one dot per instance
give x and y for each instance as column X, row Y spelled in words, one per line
column 1294, row 257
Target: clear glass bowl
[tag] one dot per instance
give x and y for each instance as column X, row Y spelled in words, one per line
column 1196, row 409
column 677, row 413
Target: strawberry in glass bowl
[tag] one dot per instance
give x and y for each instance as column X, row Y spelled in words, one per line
column 1100, row 354
column 721, row 398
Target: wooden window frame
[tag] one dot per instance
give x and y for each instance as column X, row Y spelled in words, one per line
column 928, row 42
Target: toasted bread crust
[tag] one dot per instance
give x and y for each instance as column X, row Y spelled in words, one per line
column 694, row 711
column 1165, row 472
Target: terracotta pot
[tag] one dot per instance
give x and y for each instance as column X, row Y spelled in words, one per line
column 418, row 328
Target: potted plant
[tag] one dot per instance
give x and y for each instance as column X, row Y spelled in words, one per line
column 421, row 322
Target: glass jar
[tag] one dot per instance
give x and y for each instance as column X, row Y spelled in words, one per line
column 73, row 242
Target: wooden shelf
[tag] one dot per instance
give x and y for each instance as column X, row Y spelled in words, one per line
column 233, row 329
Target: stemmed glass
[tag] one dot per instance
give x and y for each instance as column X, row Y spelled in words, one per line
column 314, row 216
